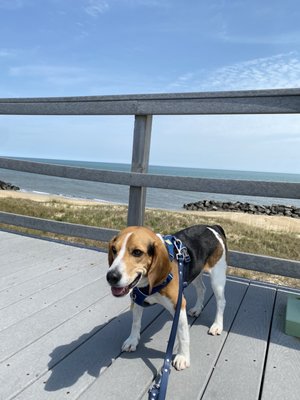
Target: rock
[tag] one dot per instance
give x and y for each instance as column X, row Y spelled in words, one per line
column 8, row 186
column 297, row 211
column 274, row 209
column 261, row 209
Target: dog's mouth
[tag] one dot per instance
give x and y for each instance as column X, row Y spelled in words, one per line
column 122, row 291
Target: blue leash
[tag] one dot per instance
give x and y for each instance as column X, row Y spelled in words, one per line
column 159, row 389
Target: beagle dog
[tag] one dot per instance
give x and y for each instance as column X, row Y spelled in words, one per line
column 139, row 258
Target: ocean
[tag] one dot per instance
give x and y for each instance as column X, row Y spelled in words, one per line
column 156, row 198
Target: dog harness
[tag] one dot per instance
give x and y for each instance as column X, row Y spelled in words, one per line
column 138, row 295
column 173, row 246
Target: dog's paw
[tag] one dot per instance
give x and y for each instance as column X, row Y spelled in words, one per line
column 195, row 311
column 215, row 329
column 181, row 362
column 130, row 344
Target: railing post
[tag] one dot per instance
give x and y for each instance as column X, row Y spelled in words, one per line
column 140, row 162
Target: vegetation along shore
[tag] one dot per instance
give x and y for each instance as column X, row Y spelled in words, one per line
column 275, row 236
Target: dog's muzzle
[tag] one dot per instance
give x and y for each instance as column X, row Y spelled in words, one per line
column 113, row 277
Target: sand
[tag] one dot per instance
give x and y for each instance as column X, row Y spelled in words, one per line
column 276, row 223
column 44, row 198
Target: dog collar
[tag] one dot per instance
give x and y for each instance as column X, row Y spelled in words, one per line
column 138, row 295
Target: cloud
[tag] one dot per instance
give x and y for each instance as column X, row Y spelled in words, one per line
column 42, row 70
column 279, row 71
column 289, row 38
column 53, row 74
column 7, row 53
column 149, row 3
column 84, row 80
column 96, row 7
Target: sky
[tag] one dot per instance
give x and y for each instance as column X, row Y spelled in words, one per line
column 103, row 47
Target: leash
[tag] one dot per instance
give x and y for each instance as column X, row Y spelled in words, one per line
column 159, row 389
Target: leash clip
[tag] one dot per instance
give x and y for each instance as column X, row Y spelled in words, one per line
column 181, row 251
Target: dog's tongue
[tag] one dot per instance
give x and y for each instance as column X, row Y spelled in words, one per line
column 116, row 291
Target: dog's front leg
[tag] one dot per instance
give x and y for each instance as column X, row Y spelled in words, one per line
column 132, row 341
column 182, row 358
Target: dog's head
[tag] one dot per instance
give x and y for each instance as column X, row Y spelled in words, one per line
column 136, row 256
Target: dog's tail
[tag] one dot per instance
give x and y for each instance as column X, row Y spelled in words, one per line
column 220, row 230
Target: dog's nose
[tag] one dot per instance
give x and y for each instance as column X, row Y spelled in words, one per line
column 113, row 277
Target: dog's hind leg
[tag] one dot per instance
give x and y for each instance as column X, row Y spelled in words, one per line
column 200, row 290
column 132, row 341
column 218, row 280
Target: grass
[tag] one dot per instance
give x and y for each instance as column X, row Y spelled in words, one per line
column 242, row 236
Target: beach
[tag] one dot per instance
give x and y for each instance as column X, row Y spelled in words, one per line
column 273, row 223
column 45, row 197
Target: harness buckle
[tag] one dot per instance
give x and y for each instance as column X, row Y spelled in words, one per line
column 133, row 296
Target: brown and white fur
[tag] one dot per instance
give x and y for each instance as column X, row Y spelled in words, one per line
column 138, row 257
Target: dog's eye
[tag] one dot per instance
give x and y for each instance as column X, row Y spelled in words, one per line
column 137, row 253
column 114, row 250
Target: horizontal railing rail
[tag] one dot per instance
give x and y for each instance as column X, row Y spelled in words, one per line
column 143, row 107
column 246, row 261
column 237, row 102
column 284, row 190
column 61, row 228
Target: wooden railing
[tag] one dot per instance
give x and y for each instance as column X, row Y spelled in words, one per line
column 143, row 107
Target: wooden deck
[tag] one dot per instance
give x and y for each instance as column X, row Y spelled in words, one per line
column 61, row 332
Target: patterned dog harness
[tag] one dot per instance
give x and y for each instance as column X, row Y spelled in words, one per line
column 138, row 295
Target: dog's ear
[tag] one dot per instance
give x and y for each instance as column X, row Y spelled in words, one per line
column 110, row 251
column 160, row 266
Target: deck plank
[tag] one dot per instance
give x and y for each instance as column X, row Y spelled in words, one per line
column 34, row 361
column 46, row 265
column 95, row 353
column 16, row 264
column 283, row 358
column 16, row 254
column 239, row 369
column 50, row 318
column 63, row 269
column 205, row 349
column 30, row 305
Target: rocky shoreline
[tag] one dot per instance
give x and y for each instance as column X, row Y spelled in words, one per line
column 8, row 186
column 274, row 209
